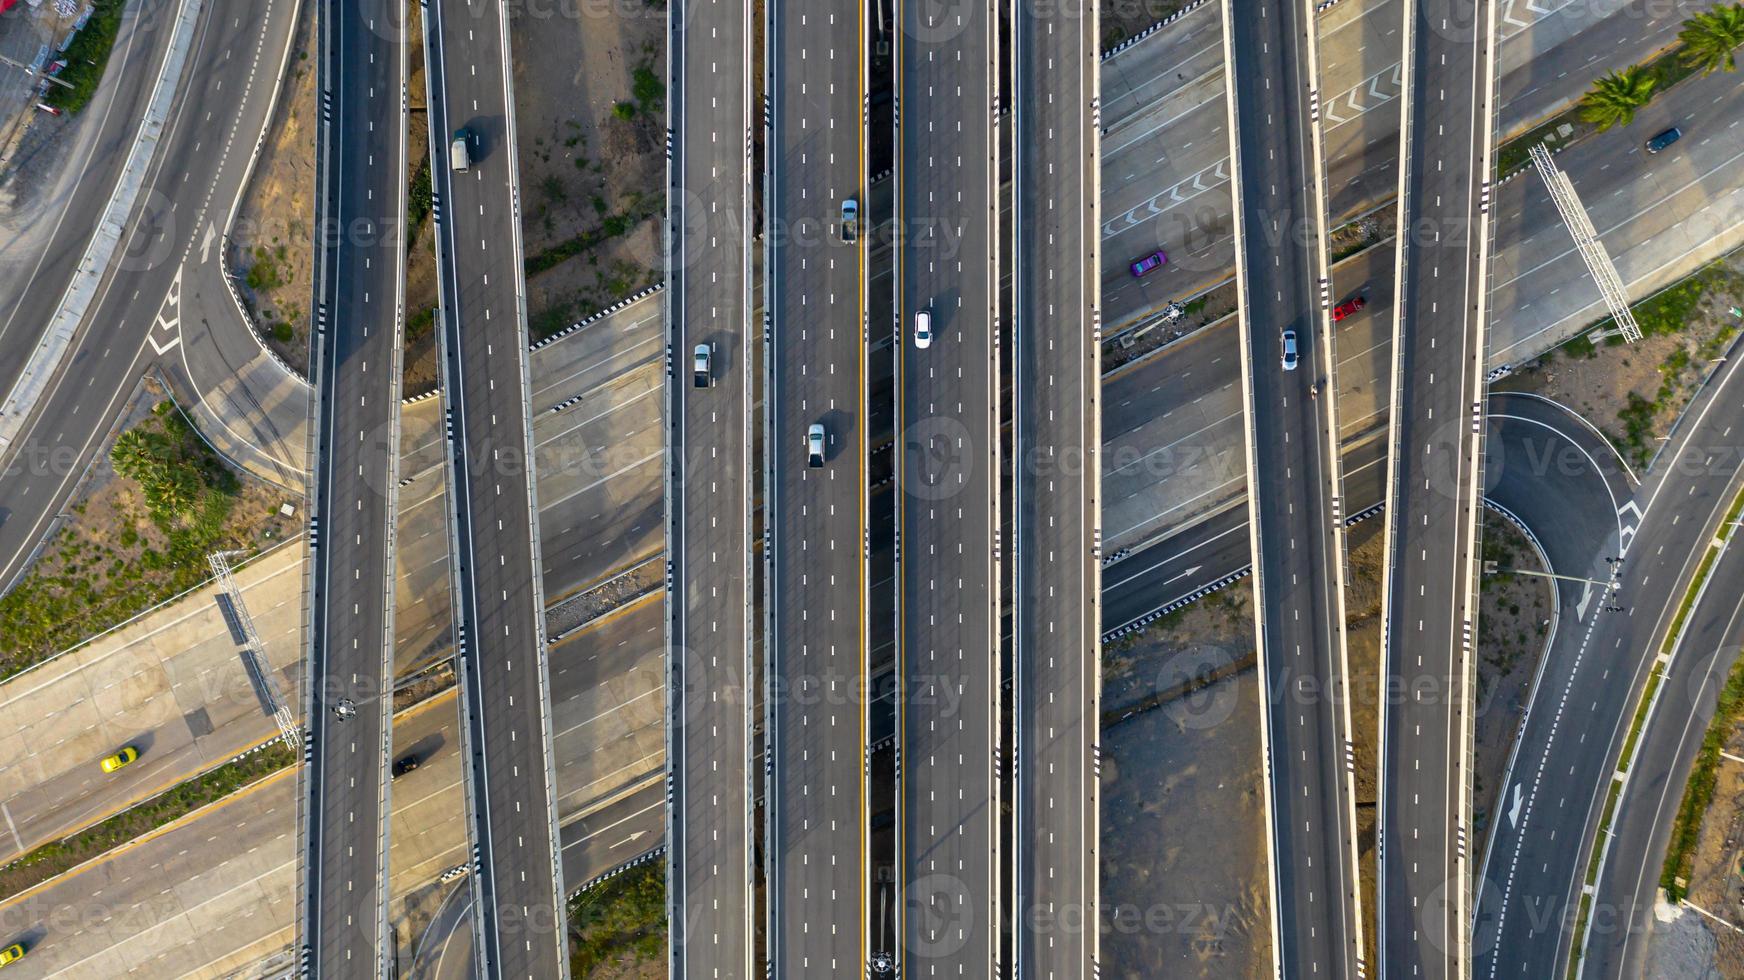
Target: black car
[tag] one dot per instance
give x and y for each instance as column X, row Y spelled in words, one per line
column 1664, row 140
column 405, row 764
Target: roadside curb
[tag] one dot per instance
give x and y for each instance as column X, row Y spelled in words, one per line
column 617, row 307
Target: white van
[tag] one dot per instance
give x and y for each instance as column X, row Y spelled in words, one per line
column 458, row 157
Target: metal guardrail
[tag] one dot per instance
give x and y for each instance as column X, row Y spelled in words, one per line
column 254, row 652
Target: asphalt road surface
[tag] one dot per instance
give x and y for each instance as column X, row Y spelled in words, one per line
column 1291, row 506
column 359, row 277
column 1057, row 482
column 189, row 182
column 816, row 364
column 709, row 491
column 948, row 861
column 1535, row 865
column 518, row 887
column 1429, row 591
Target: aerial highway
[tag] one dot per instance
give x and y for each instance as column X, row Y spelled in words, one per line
column 184, row 186
column 1294, row 486
column 816, row 863
column 517, row 884
column 358, row 310
column 1429, row 591
column 1057, row 482
column 1534, row 871
column 708, row 487
column 947, row 477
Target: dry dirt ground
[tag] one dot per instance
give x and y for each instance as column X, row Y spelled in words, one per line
column 1183, row 837
column 1634, row 393
column 592, row 156
column 271, row 247
column 1717, row 877
column 1121, row 19
column 1513, row 630
column 271, row 244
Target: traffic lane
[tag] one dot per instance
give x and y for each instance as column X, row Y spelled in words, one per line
column 608, row 695
column 352, row 653
column 1621, row 922
column 598, row 466
column 596, row 354
column 44, row 463
column 601, row 841
column 47, row 228
column 1142, row 75
column 503, row 596
column 1659, row 216
column 176, row 689
column 817, row 521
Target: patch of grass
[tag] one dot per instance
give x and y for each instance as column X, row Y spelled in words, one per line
column 623, row 919
column 174, row 803
column 646, row 87
column 87, row 57
column 420, row 198
column 624, row 110
column 420, row 323
column 188, row 493
column 1698, row 793
column 613, row 226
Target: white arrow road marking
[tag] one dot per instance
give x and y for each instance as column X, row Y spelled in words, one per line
column 630, row 838
column 1184, row 574
column 1514, row 810
column 1580, row 608
column 169, row 319
column 1627, row 527
column 206, row 242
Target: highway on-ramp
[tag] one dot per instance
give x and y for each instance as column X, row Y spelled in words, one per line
column 947, row 477
column 359, row 280
column 709, row 491
column 816, row 707
column 518, row 894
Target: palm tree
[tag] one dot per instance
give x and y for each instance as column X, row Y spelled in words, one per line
column 1708, row 38
column 1615, row 97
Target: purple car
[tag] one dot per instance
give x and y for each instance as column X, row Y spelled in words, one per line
column 1154, row 260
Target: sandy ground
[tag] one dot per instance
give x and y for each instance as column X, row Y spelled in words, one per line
column 1362, row 608
column 1513, row 629
column 1179, row 901
column 585, row 172
column 1121, row 19
column 271, row 249
column 1666, row 368
column 419, row 371
column 1682, row 948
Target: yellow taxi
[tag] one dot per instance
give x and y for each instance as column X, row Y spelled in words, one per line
column 11, row 954
column 127, row 754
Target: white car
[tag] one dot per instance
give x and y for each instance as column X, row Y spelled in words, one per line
column 1289, row 350
column 814, row 445
column 923, row 329
column 701, row 360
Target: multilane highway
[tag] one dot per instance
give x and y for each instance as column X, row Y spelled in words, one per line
column 947, row 468
column 709, row 490
column 358, row 310
column 1293, row 508
column 1057, row 481
column 1429, row 591
column 817, row 516
column 517, row 884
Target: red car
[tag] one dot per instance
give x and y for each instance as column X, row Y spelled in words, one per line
column 1348, row 307
column 1155, row 260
